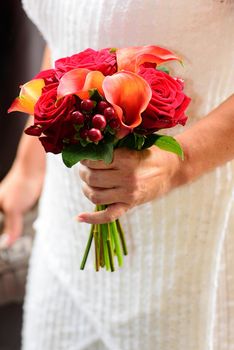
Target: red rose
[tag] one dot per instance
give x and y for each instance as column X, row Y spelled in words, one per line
column 48, row 75
column 52, row 119
column 103, row 61
column 168, row 103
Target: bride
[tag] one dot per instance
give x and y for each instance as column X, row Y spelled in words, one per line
column 176, row 215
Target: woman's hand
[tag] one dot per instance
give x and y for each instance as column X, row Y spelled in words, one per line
column 133, row 178
column 18, row 194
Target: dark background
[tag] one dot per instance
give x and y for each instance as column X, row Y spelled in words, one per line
column 20, row 58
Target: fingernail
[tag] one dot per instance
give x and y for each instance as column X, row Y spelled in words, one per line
column 4, row 241
column 79, row 218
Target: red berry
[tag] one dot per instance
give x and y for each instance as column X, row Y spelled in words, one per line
column 102, row 105
column 87, row 105
column 94, row 135
column 99, row 121
column 109, row 113
column 83, row 133
column 78, row 117
column 114, row 123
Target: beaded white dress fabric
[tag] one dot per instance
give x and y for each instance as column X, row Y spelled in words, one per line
column 166, row 296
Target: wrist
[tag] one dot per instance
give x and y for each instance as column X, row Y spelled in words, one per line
column 178, row 175
column 187, row 169
column 171, row 168
column 27, row 170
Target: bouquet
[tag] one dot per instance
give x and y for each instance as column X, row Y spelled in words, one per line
column 96, row 101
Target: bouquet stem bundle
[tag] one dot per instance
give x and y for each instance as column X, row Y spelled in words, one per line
column 109, row 242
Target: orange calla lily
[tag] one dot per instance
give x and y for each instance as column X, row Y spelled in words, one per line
column 29, row 94
column 79, row 81
column 131, row 58
column 130, row 95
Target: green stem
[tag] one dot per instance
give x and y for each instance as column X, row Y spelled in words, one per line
column 122, row 237
column 102, row 260
column 112, row 240
column 87, row 249
column 116, row 238
column 110, row 248
column 96, row 243
column 105, row 247
column 100, row 244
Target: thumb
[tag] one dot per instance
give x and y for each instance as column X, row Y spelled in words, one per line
column 12, row 229
column 111, row 213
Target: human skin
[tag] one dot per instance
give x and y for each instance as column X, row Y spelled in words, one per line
column 21, row 188
column 149, row 174
column 152, row 173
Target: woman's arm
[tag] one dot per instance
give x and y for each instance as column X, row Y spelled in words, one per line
column 210, row 142
column 21, row 188
column 136, row 177
column 30, row 157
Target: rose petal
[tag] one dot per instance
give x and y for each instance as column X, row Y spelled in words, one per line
column 29, row 94
column 131, row 58
column 79, row 81
column 129, row 94
column 50, row 145
column 33, row 130
column 45, row 74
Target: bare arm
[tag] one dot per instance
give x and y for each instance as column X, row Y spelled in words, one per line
column 153, row 172
column 209, row 143
column 21, row 188
column 30, row 156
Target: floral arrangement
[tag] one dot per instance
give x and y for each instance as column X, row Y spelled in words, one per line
column 96, row 101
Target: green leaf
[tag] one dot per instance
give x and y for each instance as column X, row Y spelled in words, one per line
column 163, row 69
column 109, row 137
column 109, row 130
column 132, row 141
column 168, row 143
column 128, row 142
column 78, row 127
column 150, row 140
column 72, row 154
column 113, row 50
column 139, row 141
column 84, row 142
column 94, row 94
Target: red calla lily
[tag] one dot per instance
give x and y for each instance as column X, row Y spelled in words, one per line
column 79, row 81
column 129, row 94
column 29, row 94
column 130, row 58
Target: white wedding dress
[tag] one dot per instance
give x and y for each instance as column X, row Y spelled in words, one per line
column 166, row 295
